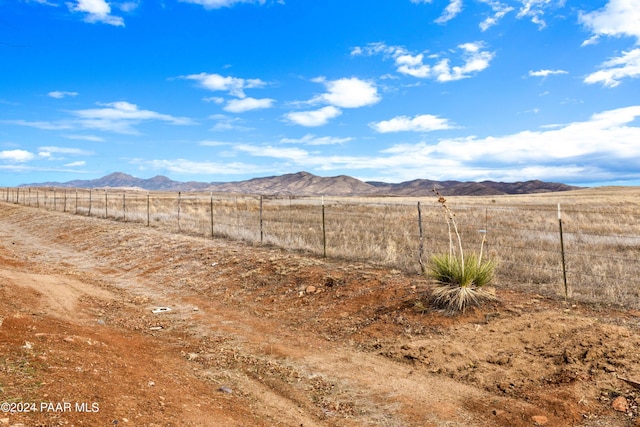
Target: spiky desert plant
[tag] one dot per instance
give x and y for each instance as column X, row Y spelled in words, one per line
column 459, row 281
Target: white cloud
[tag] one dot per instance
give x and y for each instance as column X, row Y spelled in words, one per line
column 311, row 139
column 453, row 8
column 75, row 164
column 348, row 93
column 217, row 4
column 616, row 19
column 120, row 117
column 420, row 123
column 49, row 151
column 247, row 104
column 535, row 10
column 96, row 11
column 91, row 138
column 214, row 99
column 315, row 117
column 61, row 94
column 44, row 125
column 225, row 123
column 17, row 156
column 234, row 85
column 546, row 73
column 475, row 59
column 189, row 167
column 499, row 11
column 568, row 153
column 615, row 69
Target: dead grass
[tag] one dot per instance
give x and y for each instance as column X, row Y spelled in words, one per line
column 601, row 230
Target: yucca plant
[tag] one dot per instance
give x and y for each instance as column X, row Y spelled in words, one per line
column 459, row 281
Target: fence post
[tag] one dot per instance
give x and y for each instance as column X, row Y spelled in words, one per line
column 89, row 214
column 564, row 268
column 106, row 209
column 420, row 241
column 124, row 206
column 211, row 207
column 179, row 211
column 76, row 201
column 261, row 233
column 54, row 199
column 64, row 206
column 148, row 209
column 324, row 232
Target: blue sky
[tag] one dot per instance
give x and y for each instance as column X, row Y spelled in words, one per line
column 227, row 90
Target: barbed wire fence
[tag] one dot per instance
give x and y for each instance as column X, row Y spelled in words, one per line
column 589, row 255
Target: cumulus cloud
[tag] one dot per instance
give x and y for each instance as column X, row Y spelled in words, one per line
column 121, row 117
column 474, row 59
column 616, row 19
column 217, row 4
column 16, row 156
column 96, row 11
column 247, row 104
column 233, row 85
column 420, row 123
column 567, row 153
column 61, row 94
column 314, row 117
column 348, row 93
column 614, row 70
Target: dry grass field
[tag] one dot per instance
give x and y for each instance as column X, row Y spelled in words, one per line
column 258, row 335
column 600, row 234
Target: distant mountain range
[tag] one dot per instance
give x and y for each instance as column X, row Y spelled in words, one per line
column 306, row 184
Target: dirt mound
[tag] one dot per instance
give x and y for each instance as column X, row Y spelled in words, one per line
column 261, row 336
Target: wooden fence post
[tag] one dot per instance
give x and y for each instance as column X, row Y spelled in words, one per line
column 324, row 232
column 564, row 268
column 124, row 206
column 106, row 203
column 423, row 268
column 211, row 208
column 148, row 209
column 89, row 214
column 179, row 211
column 261, row 232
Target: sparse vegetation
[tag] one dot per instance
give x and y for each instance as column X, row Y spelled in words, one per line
column 600, row 228
column 459, row 281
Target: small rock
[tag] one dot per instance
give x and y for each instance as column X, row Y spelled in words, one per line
column 4, row 421
column 310, row 289
column 225, row 389
column 620, row 404
column 498, row 412
column 68, row 339
column 540, row 420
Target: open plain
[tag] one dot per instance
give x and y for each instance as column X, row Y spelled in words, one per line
column 131, row 325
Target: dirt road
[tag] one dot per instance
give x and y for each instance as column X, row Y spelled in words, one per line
column 257, row 336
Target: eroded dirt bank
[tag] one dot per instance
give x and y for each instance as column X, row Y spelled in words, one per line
column 259, row 336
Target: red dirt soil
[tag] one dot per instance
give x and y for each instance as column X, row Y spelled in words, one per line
column 258, row 336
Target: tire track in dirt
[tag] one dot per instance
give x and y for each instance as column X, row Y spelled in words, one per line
column 242, row 317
